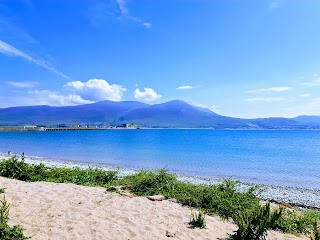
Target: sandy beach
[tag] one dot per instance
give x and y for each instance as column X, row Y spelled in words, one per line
column 68, row 211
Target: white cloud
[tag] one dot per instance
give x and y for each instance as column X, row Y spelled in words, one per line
column 305, row 95
column 184, row 87
column 96, row 90
column 12, row 51
column 25, row 84
column 272, row 89
column 46, row 97
column 41, row 97
column 148, row 95
column 262, row 99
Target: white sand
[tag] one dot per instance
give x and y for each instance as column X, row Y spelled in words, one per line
column 67, row 211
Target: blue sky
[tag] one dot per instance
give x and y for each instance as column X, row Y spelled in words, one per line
column 242, row 58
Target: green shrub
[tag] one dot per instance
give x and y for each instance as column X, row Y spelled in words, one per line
column 291, row 221
column 198, row 220
column 149, row 183
column 7, row 232
column 15, row 168
column 18, row 169
column 254, row 225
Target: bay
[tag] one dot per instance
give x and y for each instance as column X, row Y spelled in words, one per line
column 276, row 157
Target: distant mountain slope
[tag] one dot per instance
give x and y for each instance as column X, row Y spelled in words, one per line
column 276, row 123
column 100, row 112
column 308, row 120
column 170, row 114
column 179, row 114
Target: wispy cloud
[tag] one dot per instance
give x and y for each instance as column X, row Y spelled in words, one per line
column 122, row 7
column 25, row 84
column 184, row 87
column 305, row 95
column 272, row 89
column 274, row 5
column 126, row 15
column 265, row 99
column 9, row 50
column 312, row 83
column 311, row 107
column 12, row 31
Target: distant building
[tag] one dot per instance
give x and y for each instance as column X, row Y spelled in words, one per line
column 29, row 127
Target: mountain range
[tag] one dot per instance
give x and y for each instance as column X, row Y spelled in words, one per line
column 173, row 114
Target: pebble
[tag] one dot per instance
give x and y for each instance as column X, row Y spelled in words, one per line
column 156, row 198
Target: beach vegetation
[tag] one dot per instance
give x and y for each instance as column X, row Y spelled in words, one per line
column 7, row 232
column 198, row 219
column 223, row 199
column 15, row 168
column 316, row 231
column 18, row 169
column 294, row 222
column 146, row 183
column 254, row 224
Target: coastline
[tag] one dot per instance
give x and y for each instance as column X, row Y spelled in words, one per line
column 302, row 198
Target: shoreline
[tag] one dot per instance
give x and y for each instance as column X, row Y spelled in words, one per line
column 300, row 198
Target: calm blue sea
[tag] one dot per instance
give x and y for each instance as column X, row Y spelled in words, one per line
column 286, row 158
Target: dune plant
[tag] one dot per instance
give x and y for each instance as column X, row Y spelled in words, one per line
column 316, row 231
column 254, row 225
column 15, row 168
column 7, row 232
column 150, row 183
column 198, row 219
column 291, row 221
column 18, row 169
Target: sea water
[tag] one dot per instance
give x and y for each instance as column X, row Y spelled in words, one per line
column 277, row 157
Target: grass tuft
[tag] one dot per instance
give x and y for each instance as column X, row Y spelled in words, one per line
column 198, row 220
column 316, row 231
column 254, row 225
column 7, row 232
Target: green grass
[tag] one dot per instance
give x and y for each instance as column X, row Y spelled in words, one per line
column 291, row 221
column 18, row 169
column 221, row 199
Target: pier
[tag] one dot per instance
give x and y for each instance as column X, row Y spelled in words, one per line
column 36, row 128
